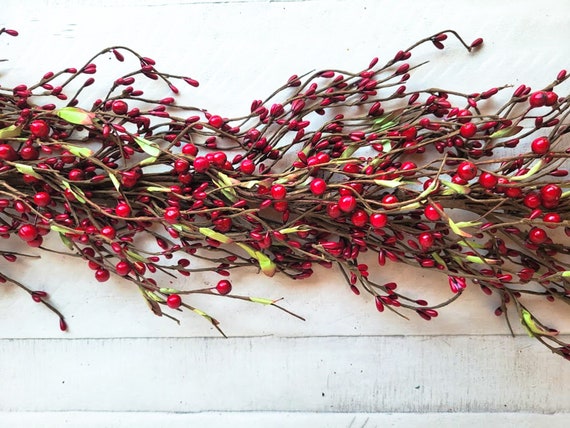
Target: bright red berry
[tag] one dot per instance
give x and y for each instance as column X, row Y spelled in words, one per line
column 122, row 268
column 378, row 220
column 28, row 232
column 216, row 121
column 123, row 209
column 174, row 301
column 532, row 200
column 201, row 164
column 39, row 129
column 42, row 199
column 488, row 180
column 347, row 203
column 171, row 214
column 432, row 213
column 7, row 152
column 540, row 145
column 181, row 165
column 467, row 170
column 551, row 193
column 278, row 191
column 224, row 287
column 468, row 130
column 108, row 232
column 359, row 218
column 537, row 235
column 426, row 240
column 318, row 186
column 190, row 149
column 247, row 166
column 552, row 218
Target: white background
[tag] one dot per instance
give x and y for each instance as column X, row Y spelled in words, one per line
column 347, row 365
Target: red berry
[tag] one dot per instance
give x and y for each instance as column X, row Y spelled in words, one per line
column 468, row 130
column 551, row 193
column 532, row 200
column 426, row 240
column 174, row 301
column 432, row 213
column 408, row 168
column 171, row 214
column 467, row 170
column 347, row 203
column 224, row 287
column 119, row 107
column 333, row 211
column 108, row 232
column 318, row 186
column 551, row 98
column 201, row 164
column 537, row 99
column 540, row 145
column 378, row 220
column 216, row 121
column 488, row 180
column 7, row 152
column 28, row 232
column 123, row 209
column 181, row 166
column 247, row 166
column 75, row 174
column 42, row 199
column 537, row 235
column 278, row 191
column 359, row 218
column 390, row 199
column 29, row 153
column 122, row 268
column 102, row 275
column 39, row 129
column 552, row 218
column 189, row 149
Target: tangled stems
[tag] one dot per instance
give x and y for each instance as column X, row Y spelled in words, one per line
column 330, row 166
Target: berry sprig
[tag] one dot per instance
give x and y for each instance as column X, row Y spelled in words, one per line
column 331, row 166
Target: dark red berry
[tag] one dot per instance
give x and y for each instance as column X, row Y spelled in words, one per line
column 120, row 107
column 42, row 199
column 359, row 218
column 102, row 275
column 537, row 99
column 224, row 287
column 28, row 232
column 122, row 268
column 7, row 152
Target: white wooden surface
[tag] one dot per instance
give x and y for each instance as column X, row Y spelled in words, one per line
column 347, row 365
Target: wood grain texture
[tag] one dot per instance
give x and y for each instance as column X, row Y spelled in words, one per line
column 411, row 374
column 280, row 420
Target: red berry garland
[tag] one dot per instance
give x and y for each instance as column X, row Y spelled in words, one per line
column 329, row 167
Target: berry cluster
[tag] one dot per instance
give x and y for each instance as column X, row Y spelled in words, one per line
column 329, row 167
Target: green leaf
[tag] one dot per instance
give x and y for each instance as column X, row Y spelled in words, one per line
column 457, row 230
column 148, row 161
column 438, row 259
column 455, row 188
column 267, row 265
column 293, row 230
column 135, row 256
column 115, row 181
column 82, row 152
column 532, row 327
column 11, row 131
column 533, row 170
column 389, row 183
column 147, row 146
column 158, row 189
column 76, row 116
column 506, row 132
column 27, row 169
column 169, row 290
column 217, row 236
column 565, row 274
column 154, row 296
column 262, row 300
column 66, row 241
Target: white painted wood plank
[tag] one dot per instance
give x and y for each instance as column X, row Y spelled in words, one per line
column 411, row 374
column 281, row 420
